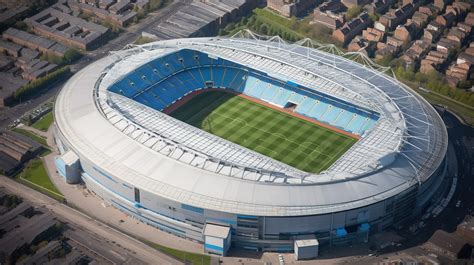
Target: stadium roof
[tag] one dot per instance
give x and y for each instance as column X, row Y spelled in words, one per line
column 160, row 154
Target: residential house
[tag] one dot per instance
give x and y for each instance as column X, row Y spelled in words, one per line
column 352, row 28
column 419, row 19
column 395, row 17
column 459, row 8
column 392, row 41
column 469, row 20
column 465, row 57
column 441, row 3
column 351, row 3
column 456, row 34
column 329, row 19
column 416, row 51
column 384, row 51
column 461, row 69
column 406, row 32
column 360, row 45
column 378, row 6
column 334, row 6
column 446, row 45
column 470, row 50
column 446, row 19
column 457, row 73
column 373, row 34
column 433, row 61
column 433, row 31
column 380, row 26
column 430, row 10
column 289, row 8
column 464, row 27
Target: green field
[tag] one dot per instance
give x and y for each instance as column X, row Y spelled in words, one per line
column 31, row 135
column 291, row 140
column 44, row 122
column 37, row 178
column 186, row 257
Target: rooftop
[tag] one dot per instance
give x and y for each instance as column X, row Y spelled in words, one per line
column 380, row 164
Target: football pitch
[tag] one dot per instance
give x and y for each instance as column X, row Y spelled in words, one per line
column 281, row 136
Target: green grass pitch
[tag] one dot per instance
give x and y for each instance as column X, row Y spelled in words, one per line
column 291, row 140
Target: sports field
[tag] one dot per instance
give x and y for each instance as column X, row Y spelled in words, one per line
column 291, row 140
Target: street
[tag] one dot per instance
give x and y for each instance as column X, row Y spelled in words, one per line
column 129, row 246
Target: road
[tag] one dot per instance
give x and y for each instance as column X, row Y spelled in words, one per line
column 130, row 247
column 461, row 139
column 8, row 115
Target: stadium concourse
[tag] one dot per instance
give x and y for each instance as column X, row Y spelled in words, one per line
column 251, row 142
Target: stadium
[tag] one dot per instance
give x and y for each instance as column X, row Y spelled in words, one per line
column 251, row 142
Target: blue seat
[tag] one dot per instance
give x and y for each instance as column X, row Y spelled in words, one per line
column 296, row 98
column 356, row 124
column 197, row 77
column 217, row 76
column 238, row 82
column 187, row 58
column 203, row 58
column 368, row 125
column 229, row 76
column 305, row 106
column 217, row 62
column 319, row 109
column 331, row 115
column 140, row 82
column 253, row 87
column 162, row 67
column 174, row 63
column 206, row 73
column 188, row 77
column 344, row 118
column 126, row 88
column 147, row 71
column 269, row 92
column 149, row 100
column 282, row 97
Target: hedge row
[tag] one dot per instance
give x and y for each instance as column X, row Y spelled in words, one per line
column 37, row 85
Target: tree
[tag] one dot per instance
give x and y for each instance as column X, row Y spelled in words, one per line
column 263, row 29
column 71, row 55
column 155, row 4
column 244, row 21
column 385, row 60
column 353, row 12
column 374, row 17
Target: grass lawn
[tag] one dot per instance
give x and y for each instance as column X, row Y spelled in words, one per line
column 465, row 113
column 186, row 257
column 291, row 140
column 31, row 135
column 35, row 172
column 44, row 122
